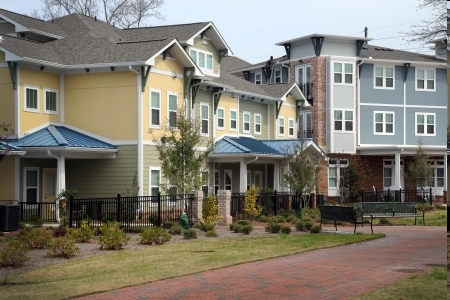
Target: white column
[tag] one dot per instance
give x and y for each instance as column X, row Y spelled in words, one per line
column 397, row 169
column 276, row 177
column 445, row 172
column 243, row 177
column 62, row 173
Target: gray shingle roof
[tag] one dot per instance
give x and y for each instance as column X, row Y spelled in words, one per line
column 230, row 63
column 378, row 52
column 30, row 49
column 181, row 32
column 277, row 90
column 240, row 84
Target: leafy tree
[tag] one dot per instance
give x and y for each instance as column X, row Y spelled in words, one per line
column 251, row 206
column 348, row 186
column 181, row 161
column 430, row 29
column 121, row 13
column 419, row 171
column 210, row 210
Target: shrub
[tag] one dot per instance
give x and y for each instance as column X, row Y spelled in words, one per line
column 138, row 229
column 36, row 221
column 315, row 229
column 153, row 219
column 304, row 224
column 264, row 219
column 384, row 221
column 424, row 207
column 285, row 229
column 62, row 247
column 251, row 206
column 210, row 210
column 106, row 218
column 313, row 213
column 112, row 236
column 233, row 226
column 176, row 230
column 244, row 222
column 167, row 225
column 211, row 233
column 237, row 228
column 190, row 234
column 60, row 231
column 154, row 235
column 278, row 219
column 1, row 233
column 14, row 254
column 84, row 234
column 439, row 206
column 291, row 219
column 246, row 229
column 208, row 227
column 287, row 213
column 273, row 227
column 35, row 238
column 198, row 226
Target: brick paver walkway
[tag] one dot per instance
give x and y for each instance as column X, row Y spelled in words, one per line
column 335, row 273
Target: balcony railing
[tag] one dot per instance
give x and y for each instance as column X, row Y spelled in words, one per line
column 307, row 89
column 306, row 134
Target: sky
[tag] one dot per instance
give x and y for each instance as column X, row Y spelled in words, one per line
column 252, row 27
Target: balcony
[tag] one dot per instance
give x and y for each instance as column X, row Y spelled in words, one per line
column 307, row 89
column 306, row 134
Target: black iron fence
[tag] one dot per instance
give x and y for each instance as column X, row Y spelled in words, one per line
column 417, row 196
column 272, row 203
column 39, row 210
column 136, row 211
column 307, row 90
column 307, row 134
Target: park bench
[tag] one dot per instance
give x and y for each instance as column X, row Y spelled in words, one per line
column 390, row 210
column 344, row 214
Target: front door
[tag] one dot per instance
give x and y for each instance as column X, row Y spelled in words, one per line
column 258, row 179
column 49, row 185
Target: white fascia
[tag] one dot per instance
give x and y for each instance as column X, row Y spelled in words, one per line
column 397, row 62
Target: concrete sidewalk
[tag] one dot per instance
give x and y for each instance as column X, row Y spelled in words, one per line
column 335, row 273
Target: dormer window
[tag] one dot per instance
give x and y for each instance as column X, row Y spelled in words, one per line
column 203, row 59
column 277, row 76
column 258, row 78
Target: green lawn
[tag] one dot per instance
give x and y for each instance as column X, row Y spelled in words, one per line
column 431, row 285
column 126, row 268
column 432, row 218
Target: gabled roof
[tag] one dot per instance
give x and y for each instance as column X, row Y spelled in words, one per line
column 230, row 63
column 328, row 37
column 277, row 60
column 60, row 136
column 377, row 52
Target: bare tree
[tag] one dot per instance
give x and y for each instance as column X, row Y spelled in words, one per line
column 429, row 29
column 121, row 13
column 6, row 134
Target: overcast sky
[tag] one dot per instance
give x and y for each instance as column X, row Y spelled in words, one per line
column 252, row 27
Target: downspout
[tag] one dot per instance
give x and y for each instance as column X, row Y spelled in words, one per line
column 246, row 163
column 58, row 182
column 359, row 103
column 140, row 149
column 256, row 158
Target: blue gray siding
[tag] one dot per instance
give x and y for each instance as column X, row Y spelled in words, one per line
column 440, row 127
column 367, row 126
column 436, row 98
column 381, row 96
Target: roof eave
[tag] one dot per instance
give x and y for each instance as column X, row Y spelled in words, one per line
column 413, row 62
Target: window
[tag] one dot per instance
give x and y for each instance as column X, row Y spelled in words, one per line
column 216, row 181
column 425, row 80
column 258, row 78
column 437, row 177
column 205, row 185
column 339, row 74
column 348, row 120
column 384, row 122
column 257, row 128
column 425, row 124
column 155, row 181
column 203, row 59
column 303, row 74
column 51, row 101
column 31, row 188
column 304, row 125
column 336, row 171
column 173, row 107
column 155, row 108
column 246, row 123
column 228, row 180
column 233, row 120
column 384, row 77
column 388, row 174
column 220, row 118
column 281, row 126
column 31, row 99
column 291, row 127
column 277, row 76
column 204, row 116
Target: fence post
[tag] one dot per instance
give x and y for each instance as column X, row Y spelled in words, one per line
column 389, row 195
column 274, row 200
column 362, row 195
column 119, row 208
column 430, row 197
column 159, row 209
column 70, row 211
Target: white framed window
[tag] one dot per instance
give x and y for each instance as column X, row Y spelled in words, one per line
column 31, row 185
column 425, row 80
column 228, row 179
column 258, row 78
column 246, row 122
column 425, row 124
column 343, row 120
column 202, row 58
column 383, row 122
column 172, row 109
column 290, row 127
column 233, row 119
column 336, row 171
column 257, row 125
column 388, row 174
column 304, row 124
column 277, row 76
column 303, row 74
column 51, row 101
column 155, row 108
column 343, row 73
column 384, row 78
column 155, row 180
column 216, row 181
column 205, row 183
column 220, row 118
column 31, row 99
column 204, row 116
column 437, row 177
column 281, row 126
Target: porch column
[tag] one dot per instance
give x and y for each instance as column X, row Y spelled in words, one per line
column 276, row 177
column 243, row 177
column 397, row 169
column 265, row 175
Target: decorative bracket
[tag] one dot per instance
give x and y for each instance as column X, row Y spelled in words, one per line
column 287, row 47
column 247, row 75
column 144, row 76
column 12, row 66
column 278, row 108
column 216, row 95
column 202, row 34
column 188, row 74
column 165, row 52
column 194, row 90
column 222, row 53
column 317, row 44
column 407, row 65
column 298, row 108
column 359, row 44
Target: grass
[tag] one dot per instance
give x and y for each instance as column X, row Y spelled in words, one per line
column 126, row 268
column 432, row 218
column 431, row 285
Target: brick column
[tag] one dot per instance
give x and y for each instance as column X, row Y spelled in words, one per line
column 287, row 201
column 224, row 202
column 313, row 201
column 445, row 196
column 197, row 206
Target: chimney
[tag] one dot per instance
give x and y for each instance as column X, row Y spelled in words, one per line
column 366, row 32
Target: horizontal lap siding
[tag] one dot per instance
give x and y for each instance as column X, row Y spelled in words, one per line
column 7, row 174
column 252, row 108
column 35, row 163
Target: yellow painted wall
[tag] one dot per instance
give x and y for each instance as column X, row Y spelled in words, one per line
column 227, row 102
column 168, row 64
column 7, row 174
column 103, row 103
column 6, row 97
column 2, row 56
column 39, row 80
column 287, row 112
